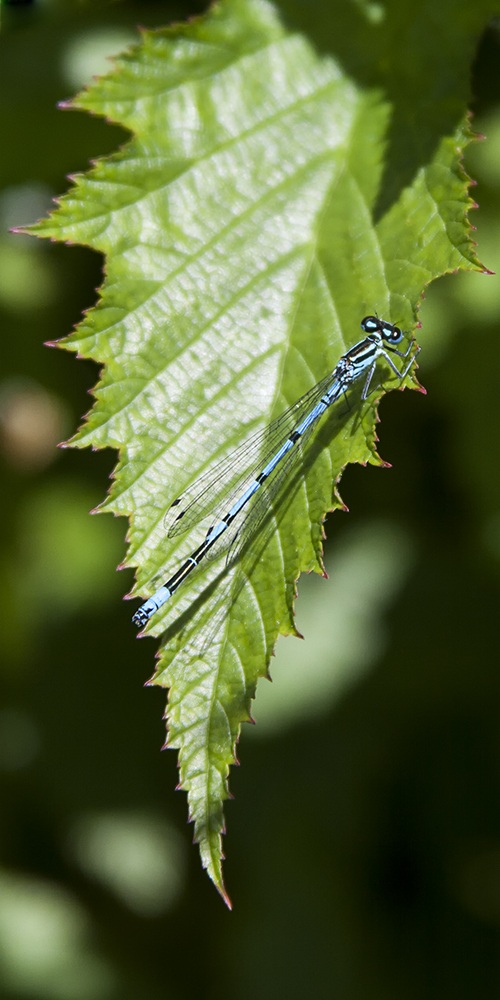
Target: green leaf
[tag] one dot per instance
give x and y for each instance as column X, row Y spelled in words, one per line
column 241, row 254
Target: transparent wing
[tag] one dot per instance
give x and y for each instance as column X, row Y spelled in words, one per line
column 251, row 516
column 248, row 524
column 216, row 490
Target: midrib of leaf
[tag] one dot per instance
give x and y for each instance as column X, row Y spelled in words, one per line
column 211, row 853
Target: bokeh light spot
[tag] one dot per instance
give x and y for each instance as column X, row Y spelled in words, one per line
column 32, row 424
column 44, row 952
column 89, row 54
column 341, row 622
column 140, row 858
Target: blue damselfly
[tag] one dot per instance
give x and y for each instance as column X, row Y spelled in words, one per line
column 238, row 491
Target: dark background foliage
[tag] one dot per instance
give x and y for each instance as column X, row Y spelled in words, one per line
column 364, row 843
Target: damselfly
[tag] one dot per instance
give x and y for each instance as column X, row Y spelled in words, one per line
column 237, row 493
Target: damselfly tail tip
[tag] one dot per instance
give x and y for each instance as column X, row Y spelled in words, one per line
column 140, row 618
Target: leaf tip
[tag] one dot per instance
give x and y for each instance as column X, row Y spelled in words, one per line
column 221, row 889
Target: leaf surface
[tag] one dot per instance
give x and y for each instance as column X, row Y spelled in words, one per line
column 241, row 254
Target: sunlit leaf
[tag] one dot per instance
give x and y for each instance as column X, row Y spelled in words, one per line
column 241, row 254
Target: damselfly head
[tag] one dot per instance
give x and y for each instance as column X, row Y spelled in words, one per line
column 371, row 324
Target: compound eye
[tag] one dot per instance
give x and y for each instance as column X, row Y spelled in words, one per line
column 370, row 324
column 392, row 333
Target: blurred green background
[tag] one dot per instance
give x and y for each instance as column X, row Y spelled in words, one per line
column 363, row 849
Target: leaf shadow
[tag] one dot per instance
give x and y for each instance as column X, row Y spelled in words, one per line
column 186, row 623
column 424, row 74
